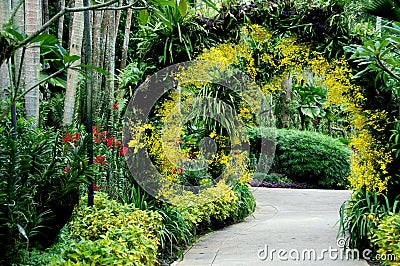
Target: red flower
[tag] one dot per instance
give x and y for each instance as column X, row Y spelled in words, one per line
column 180, row 141
column 115, row 106
column 102, row 134
column 66, row 169
column 96, row 139
column 123, row 151
column 110, row 142
column 96, row 188
column 67, row 138
column 100, row 160
column 180, row 171
column 118, row 144
column 95, row 129
column 174, row 170
column 76, row 136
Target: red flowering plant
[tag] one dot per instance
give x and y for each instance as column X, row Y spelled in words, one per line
column 108, row 156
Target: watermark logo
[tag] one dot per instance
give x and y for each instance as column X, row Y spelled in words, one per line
column 175, row 78
column 341, row 252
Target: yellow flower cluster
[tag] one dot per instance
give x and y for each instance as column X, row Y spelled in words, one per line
column 371, row 158
column 368, row 164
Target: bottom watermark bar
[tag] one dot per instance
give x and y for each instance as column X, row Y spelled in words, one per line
column 330, row 253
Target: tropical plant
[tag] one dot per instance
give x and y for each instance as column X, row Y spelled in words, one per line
column 361, row 215
column 389, row 9
column 169, row 32
column 39, row 186
column 386, row 237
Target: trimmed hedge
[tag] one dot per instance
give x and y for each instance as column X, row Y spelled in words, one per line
column 308, row 157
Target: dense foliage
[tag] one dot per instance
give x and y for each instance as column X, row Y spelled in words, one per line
column 38, row 194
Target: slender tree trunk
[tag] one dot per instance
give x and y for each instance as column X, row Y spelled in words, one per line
column 97, row 37
column 60, row 29
column 99, row 92
column 87, row 59
column 5, row 7
column 19, row 21
column 33, row 11
column 127, row 34
column 286, row 96
column 46, row 15
column 113, row 37
column 75, row 48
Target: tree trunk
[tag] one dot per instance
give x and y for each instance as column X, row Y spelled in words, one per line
column 4, row 74
column 75, row 48
column 127, row 33
column 286, row 96
column 60, row 29
column 99, row 92
column 33, row 13
column 19, row 21
column 112, row 29
column 46, row 15
column 96, row 55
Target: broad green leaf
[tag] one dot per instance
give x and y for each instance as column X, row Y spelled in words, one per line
column 16, row 34
column 211, row 4
column 98, row 69
column 183, row 6
column 171, row 3
column 45, row 39
column 312, row 111
column 143, row 17
column 70, row 58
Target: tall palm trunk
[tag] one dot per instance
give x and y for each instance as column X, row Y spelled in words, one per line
column 127, row 32
column 75, row 48
column 60, row 29
column 112, row 30
column 97, row 36
column 33, row 19
column 46, row 14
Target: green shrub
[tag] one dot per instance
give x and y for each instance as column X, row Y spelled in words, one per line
column 308, row 157
column 386, row 237
column 113, row 233
column 246, row 202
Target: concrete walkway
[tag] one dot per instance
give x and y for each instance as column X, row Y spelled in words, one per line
column 298, row 221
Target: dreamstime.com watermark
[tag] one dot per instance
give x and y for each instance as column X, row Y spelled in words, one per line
column 330, row 253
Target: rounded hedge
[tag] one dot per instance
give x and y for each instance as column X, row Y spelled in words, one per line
column 304, row 156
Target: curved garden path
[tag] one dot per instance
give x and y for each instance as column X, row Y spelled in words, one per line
column 295, row 220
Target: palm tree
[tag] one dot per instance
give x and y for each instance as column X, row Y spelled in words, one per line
column 389, row 9
column 75, row 48
column 33, row 20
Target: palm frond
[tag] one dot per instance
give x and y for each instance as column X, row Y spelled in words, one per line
column 389, row 9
